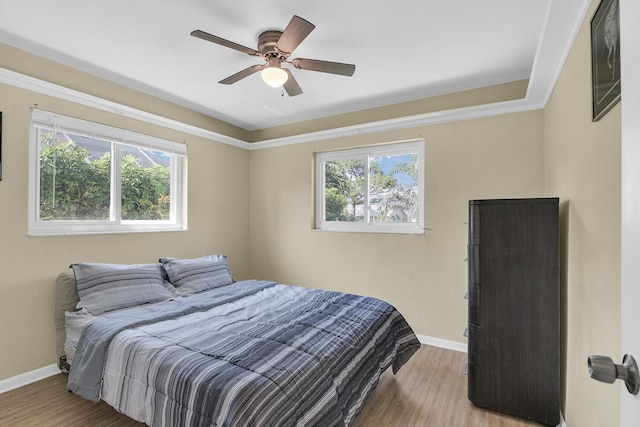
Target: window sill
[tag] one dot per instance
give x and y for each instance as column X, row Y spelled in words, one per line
column 413, row 229
column 41, row 231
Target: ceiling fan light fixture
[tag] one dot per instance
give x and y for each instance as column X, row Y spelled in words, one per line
column 274, row 76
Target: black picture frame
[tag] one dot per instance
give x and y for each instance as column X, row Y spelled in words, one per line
column 605, row 57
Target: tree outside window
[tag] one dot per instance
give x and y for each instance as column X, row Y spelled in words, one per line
column 380, row 185
column 75, row 180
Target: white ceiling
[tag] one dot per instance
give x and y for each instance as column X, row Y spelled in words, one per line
column 403, row 50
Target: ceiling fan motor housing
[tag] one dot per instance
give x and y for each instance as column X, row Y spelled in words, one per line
column 267, row 44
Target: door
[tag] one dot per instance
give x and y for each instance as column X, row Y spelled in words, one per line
column 630, row 72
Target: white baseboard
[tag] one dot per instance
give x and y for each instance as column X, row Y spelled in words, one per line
column 439, row 342
column 28, row 378
column 562, row 423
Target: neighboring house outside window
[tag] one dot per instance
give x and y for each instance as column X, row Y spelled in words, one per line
column 87, row 177
column 377, row 189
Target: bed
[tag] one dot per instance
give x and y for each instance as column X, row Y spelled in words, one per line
column 181, row 343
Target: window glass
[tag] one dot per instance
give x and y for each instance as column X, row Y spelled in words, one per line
column 146, row 184
column 75, row 177
column 393, row 191
column 345, row 190
column 373, row 189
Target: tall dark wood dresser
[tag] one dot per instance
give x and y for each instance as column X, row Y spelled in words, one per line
column 514, row 353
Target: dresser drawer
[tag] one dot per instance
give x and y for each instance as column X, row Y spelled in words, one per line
column 474, row 343
column 473, row 253
column 474, row 390
column 474, row 304
column 474, row 224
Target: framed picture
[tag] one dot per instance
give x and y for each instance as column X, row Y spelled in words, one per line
column 605, row 57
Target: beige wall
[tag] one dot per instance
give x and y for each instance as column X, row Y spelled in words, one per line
column 583, row 168
column 218, row 222
column 424, row 276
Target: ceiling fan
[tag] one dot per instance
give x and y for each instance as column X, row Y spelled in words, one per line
column 275, row 47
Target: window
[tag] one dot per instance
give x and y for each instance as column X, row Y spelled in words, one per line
column 90, row 178
column 372, row 189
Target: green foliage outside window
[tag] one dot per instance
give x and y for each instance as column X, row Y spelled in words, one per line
column 75, row 186
column 392, row 195
column 345, row 189
column 145, row 191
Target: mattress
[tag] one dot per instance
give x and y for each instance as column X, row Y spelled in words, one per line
column 75, row 322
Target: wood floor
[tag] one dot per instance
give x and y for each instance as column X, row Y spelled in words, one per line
column 430, row 390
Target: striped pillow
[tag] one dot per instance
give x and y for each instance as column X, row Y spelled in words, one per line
column 199, row 274
column 107, row 287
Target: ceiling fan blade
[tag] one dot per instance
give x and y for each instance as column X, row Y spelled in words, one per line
column 291, row 85
column 241, row 74
column 222, row 42
column 297, row 30
column 324, row 66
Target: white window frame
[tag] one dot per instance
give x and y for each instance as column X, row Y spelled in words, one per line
column 119, row 137
column 368, row 226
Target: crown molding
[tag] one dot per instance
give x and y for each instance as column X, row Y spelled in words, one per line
column 46, row 88
column 445, row 116
column 40, row 86
column 563, row 22
column 564, row 19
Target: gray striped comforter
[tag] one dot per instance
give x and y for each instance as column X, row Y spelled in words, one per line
column 251, row 354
